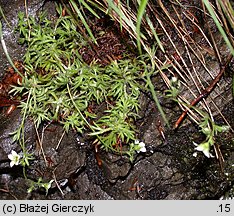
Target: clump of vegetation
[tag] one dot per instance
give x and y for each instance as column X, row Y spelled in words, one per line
column 59, row 86
column 210, row 130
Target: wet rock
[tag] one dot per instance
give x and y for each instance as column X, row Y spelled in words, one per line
column 20, row 185
column 11, row 10
column 115, row 167
column 9, row 125
column 87, row 190
column 62, row 153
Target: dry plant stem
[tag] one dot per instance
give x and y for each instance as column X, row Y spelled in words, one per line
column 40, row 143
column 60, row 140
column 199, row 81
column 199, row 28
column 200, row 60
column 203, row 64
column 219, row 156
column 56, row 182
column 206, row 92
column 188, row 41
column 182, row 101
column 7, row 191
column 222, row 6
column 182, row 32
column 206, row 106
column 221, row 114
column 43, row 131
column 212, row 37
column 194, row 71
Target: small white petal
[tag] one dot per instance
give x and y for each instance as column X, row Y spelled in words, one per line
column 14, row 153
column 137, row 142
column 14, row 157
column 12, row 163
column 195, row 154
column 200, row 148
column 10, row 156
column 174, row 79
column 143, row 149
column 205, row 148
column 17, row 162
column 207, row 153
column 206, row 130
column 212, row 156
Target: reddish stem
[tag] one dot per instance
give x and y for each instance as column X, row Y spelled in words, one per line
column 205, row 92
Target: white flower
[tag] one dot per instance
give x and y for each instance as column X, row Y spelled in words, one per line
column 47, row 186
column 15, row 158
column 206, row 130
column 140, row 146
column 174, row 79
column 205, row 148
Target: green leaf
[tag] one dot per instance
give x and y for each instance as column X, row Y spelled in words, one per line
column 83, row 20
column 140, row 13
column 150, row 84
column 218, row 24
